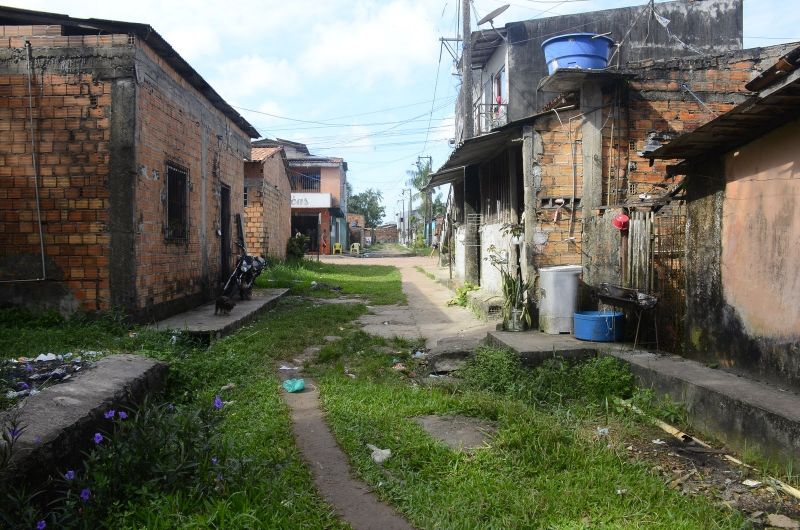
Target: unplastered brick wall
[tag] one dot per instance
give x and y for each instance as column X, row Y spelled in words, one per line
column 70, row 132
column 676, row 96
column 268, row 210
column 177, row 125
column 662, row 100
column 562, row 178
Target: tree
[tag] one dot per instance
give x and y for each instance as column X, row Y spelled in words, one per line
column 369, row 204
column 418, row 180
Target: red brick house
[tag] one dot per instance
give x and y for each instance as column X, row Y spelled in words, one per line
column 122, row 169
column 267, row 202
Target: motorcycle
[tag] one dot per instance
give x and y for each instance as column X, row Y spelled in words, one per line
column 244, row 274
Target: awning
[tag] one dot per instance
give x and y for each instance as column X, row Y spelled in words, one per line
column 472, row 151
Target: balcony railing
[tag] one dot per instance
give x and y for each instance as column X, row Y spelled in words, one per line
column 305, row 183
column 489, row 116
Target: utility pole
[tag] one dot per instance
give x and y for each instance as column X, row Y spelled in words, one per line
column 466, row 71
column 427, row 203
column 408, row 225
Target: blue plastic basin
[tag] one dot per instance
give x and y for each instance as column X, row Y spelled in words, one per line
column 577, row 50
column 599, row 326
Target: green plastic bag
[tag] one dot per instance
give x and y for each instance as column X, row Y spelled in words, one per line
column 294, row 385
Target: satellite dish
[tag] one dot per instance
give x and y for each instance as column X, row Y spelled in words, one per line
column 493, row 14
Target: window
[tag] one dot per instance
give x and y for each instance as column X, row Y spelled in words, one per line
column 177, row 225
column 245, row 196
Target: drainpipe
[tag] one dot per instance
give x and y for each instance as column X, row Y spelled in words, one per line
column 29, row 54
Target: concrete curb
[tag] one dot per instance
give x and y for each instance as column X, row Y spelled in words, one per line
column 745, row 414
column 60, row 421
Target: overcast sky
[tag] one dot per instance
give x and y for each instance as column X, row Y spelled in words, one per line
column 351, row 78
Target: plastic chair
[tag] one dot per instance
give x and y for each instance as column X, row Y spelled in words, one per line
column 337, row 246
column 355, row 248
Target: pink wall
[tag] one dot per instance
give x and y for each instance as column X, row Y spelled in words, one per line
column 761, row 234
column 331, row 182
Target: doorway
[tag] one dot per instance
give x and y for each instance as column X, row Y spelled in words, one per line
column 225, row 232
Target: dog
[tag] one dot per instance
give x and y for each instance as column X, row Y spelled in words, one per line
column 224, row 306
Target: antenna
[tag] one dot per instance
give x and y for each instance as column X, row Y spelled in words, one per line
column 492, row 15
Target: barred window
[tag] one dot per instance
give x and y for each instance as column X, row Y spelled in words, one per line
column 177, row 215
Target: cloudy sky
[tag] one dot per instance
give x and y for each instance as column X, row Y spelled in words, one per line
column 360, row 79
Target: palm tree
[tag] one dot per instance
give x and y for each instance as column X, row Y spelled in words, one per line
column 418, row 180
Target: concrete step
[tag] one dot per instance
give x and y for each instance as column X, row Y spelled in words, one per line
column 746, row 414
column 201, row 321
column 61, row 420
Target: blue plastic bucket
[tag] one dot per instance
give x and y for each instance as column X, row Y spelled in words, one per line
column 577, row 50
column 599, row 326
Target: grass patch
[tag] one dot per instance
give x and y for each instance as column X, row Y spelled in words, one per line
column 426, row 273
column 377, row 284
column 264, row 483
column 543, row 469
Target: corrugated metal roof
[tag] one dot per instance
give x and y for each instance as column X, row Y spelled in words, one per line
column 145, row 33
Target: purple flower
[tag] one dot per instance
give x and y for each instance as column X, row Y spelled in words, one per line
column 85, row 494
column 37, row 440
column 218, row 404
column 14, row 433
column 69, row 475
column 170, row 407
column 41, row 525
column 28, row 367
column 219, row 477
column 98, row 438
column 122, row 415
column 22, row 385
column 109, row 414
column 214, row 460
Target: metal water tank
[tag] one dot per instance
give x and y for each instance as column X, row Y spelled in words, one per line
column 558, row 298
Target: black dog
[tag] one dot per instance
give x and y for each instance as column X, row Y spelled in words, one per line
column 224, row 305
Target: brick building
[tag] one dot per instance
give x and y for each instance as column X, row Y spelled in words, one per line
column 319, row 195
column 741, row 182
column 267, row 202
column 122, row 169
column 387, row 233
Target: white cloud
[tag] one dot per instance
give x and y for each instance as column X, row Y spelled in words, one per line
column 382, row 42
column 253, row 75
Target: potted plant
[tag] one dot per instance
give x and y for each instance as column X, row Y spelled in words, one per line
column 516, row 314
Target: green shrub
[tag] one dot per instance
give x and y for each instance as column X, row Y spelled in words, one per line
column 590, row 381
column 460, row 298
column 296, row 247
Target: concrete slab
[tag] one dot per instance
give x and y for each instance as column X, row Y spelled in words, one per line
column 745, row 414
column 535, row 347
column 203, row 323
column 460, row 433
column 60, row 421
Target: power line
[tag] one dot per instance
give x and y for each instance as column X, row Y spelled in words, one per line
column 329, row 124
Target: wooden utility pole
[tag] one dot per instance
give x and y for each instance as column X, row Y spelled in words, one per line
column 466, row 72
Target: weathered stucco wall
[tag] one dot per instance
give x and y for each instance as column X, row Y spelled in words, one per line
column 741, row 264
column 459, row 256
column 761, row 234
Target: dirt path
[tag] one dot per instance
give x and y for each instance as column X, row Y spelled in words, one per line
column 427, row 314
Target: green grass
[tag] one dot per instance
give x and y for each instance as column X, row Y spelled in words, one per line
column 426, row 273
column 377, row 284
column 255, row 427
column 544, row 469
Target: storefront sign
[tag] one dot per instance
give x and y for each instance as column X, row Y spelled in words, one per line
column 311, row 200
